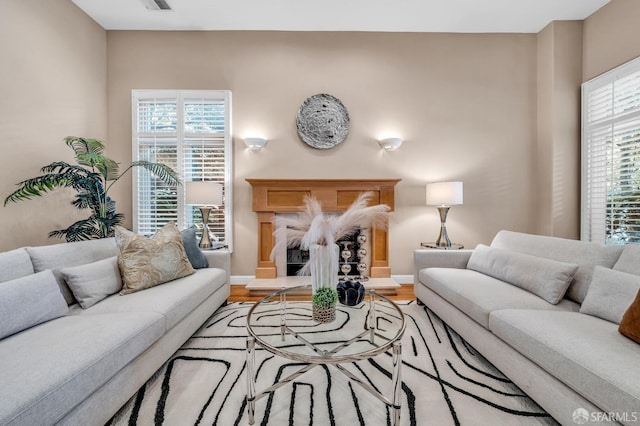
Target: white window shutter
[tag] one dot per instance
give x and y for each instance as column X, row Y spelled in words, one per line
column 189, row 131
column 611, row 156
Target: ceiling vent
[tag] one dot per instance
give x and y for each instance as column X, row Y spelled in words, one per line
column 156, row 4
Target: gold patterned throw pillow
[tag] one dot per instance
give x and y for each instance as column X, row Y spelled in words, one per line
column 146, row 262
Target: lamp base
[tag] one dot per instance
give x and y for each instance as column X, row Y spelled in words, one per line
column 443, row 241
column 205, row 240
column 443, row 238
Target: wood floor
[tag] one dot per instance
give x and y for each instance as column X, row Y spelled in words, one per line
column 240, row 294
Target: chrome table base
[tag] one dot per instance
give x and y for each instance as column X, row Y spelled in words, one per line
column 324, row 358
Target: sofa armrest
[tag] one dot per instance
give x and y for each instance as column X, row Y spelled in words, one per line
column 425, row 258
column 220, row 259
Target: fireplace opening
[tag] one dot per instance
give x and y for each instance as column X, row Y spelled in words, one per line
column 352, row 257
column 296, row 258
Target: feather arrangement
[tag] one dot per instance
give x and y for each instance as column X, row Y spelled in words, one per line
column 312, row 226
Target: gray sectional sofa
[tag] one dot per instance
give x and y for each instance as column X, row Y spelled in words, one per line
column 562, row 352
column 82, row 366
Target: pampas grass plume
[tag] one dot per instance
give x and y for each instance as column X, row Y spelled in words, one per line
column 312, row 226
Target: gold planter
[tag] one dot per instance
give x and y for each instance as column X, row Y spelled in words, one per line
column 324, row 314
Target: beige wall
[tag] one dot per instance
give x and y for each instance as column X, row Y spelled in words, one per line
column 492, row 110
column 611, row 37
column 464, row 104
column 558, row 121
column 53, row 84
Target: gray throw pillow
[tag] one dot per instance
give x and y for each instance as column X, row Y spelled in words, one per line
column 546, row 278
column 194, row 254
column 94, row 281
column 29, row 301
column 66, row 255
column 610, row 294
column 629, row 260
column 15, row 264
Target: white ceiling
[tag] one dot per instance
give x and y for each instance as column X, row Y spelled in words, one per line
column 465, row 16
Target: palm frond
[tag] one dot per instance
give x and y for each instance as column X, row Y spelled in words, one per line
column 62, row 167
column 38, row 186
column 92, row 185
column 81, row 230
column 110, row 221
column 88, row 229
column 109, row 168
column 90, row 152
column 86, row 200
column 162, row 171
column 86, row 149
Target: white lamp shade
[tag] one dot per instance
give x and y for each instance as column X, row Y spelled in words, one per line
column 444, row 193
column 204, row 193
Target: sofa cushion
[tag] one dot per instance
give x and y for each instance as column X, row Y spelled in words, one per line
column 49, row 369
column 543, row 277
column 146, row 262
column 630, row 323
column 191, row 247
column 586, row 255
column 477, row 295
column 58, row 256
column 29, row 301
column 584, row 352
column 15, row 264
column 610, row 294
column 174, row 300
column 94, row 281
column 629, row 260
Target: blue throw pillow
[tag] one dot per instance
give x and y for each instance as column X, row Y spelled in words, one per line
column 194, row 254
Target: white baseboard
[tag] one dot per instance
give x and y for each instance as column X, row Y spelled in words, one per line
column 403, row 279
column 241, row 279
column 244, row 279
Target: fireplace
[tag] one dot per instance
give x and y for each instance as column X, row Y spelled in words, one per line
column 352, row 257
column 285, row 196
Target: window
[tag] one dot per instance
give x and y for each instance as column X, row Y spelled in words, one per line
column 611, row 156
column 189, row 131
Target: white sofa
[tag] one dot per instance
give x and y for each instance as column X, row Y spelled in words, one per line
column 562, row 358
column 80, row 368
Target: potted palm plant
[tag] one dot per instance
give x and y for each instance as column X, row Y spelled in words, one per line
column 92, row 178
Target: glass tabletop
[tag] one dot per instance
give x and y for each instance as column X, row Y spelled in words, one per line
column 282, row 323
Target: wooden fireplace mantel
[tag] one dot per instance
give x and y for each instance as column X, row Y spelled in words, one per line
column 272, row 196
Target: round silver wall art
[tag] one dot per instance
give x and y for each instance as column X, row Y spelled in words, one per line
column 322, row 121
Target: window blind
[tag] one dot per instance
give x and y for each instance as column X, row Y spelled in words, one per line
column 611, row 156
column 190, row 132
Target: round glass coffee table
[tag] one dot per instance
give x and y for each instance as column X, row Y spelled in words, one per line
column 282, row 324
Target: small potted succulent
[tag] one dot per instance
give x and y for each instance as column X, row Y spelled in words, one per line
column 324, row 304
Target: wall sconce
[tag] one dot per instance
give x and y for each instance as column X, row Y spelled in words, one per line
column 390, row 144
column 255, row 144
column 444, row 195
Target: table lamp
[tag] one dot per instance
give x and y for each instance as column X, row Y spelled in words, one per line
column 205, row 195
column 444, row 195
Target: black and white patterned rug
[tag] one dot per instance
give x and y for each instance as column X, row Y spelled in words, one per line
column 445, row 382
